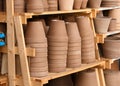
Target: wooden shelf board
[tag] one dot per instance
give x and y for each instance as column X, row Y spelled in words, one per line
column 26, row 15
column 30, row 51
column 106, row 8
column 101, row 37
column 51, row 76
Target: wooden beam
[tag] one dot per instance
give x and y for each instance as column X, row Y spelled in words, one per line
column 29, row 51
column 22, row 51
column 10, row 41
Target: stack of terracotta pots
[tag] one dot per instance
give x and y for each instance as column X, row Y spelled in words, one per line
column 94, row 3
column 62, row 81
column 112, row 26
column 19, row 6
column 74, row 45
column 57, row 46
column 101, row 24
column 35, row 38
column 65, row 5
column 53, row 5
column 112, row 78
column 115, row 14
column 87, row 39
column 35, row 6
column 111, row 47
column 87, row 78
column 110, row 3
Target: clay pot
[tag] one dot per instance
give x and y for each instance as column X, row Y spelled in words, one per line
column 57, row 44
column 86, row 78
column 84, row 4
column 112, row 26
column 84, row 29
column 100, row 14
column 77, row 4
column 112, row 77
column 94, row 4
column 77, row 52
column 57, row 48
column 74, row 48
column 35, row 32
column 101, row 24
column 73, row 32
column 57, row 29
column 57, row 56
column 35, row 6
column 57, row 39
column 65, row 5
column 58, row 52
column 45, row 5
column 110, row 48
column 62, row 81
column 39, row 74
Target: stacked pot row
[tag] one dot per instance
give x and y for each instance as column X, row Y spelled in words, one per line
column 35, row 38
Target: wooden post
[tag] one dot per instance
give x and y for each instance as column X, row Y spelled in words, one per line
column 22, row 51
column 10, row 42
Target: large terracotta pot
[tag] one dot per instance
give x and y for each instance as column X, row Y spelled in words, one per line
column 65, row 5
column 84, row 4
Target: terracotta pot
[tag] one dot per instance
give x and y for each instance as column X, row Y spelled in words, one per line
column 110, row 47
column 74, row 48
column 50, row 56
column 57, row 39
column 65, row 5
column 38, row 59
column 45, row 5
column 58, row 52
column 62, row 81
column 57, row 29
column 100, row 14
column 36, row 45
column 112, row 77
column 94, row 4
column 74, row 44
column 77, row 4
column 77, row 52
column 84, row 29
column 57, row 48
column 57, row 44
column 86, row 78
column 73, row 32
column 57, row 69
column 57, row 61
column 101, row 24
column 35, row 32
column 84, row 3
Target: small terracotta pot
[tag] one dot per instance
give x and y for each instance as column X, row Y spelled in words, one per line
column 77, row 52
column 57, row 44
column 84, row 3
column 50, row 56
column 94, row 4
column 53, row 5
column 74, row 44
column 38, row 74
column 101, row 24
column 57, row 48
column 86, row 78
column 57, row 69
column 74, row 48
column 65, row 5
column 58, row 52
column 77, row 4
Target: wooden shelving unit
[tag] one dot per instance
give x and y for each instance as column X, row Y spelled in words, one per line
column 11, row 50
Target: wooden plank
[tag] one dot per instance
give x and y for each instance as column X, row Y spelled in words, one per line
column 99, row 71
column 29, row 51
column 22, row 51
column 10, row 41
column 106, row 8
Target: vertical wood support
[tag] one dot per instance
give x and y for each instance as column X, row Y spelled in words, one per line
column 10, row 41
column 22, row 51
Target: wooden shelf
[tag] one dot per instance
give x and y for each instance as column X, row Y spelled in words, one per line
column 106, row 8
column 51, row 76
column 25, row 16
column 101, row 37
